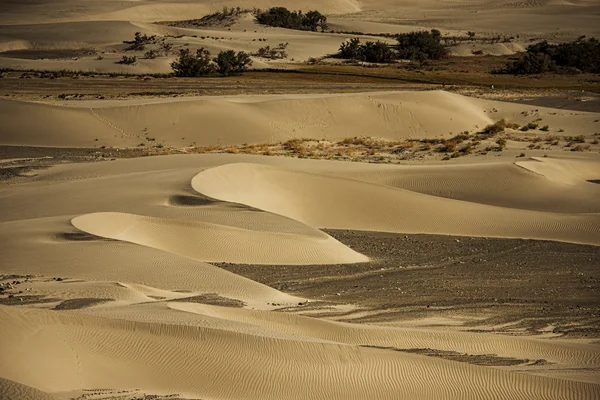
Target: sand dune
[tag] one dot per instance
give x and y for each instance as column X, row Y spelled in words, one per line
column 297, row 367
column 208, row 121
column 108, row 264
column 142, row 228
column 315, row 200
column 15, row 391
column 471, row 182
column 218, row 243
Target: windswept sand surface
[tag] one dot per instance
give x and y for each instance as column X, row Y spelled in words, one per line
column 134, row 240
column 233, row 120
column 141, row 278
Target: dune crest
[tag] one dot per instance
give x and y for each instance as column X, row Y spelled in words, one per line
column 327, row 202
column 219, row 243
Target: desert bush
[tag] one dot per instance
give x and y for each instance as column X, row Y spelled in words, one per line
column 191, row 65
column 279, row 52
column 127, row 60
column 529, row 126
column 501, row 142
column 545, row 128
column 283, row 18
column 421, row 46
column 151, row 54
column 374, row 52
column 447, row 147
column 378, row 52
column 139, row 41
column 498, row 127
column 229, row 62
column 581, row 54
column 351, row 49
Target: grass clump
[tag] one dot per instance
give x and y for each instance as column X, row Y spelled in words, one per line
column 498, row 127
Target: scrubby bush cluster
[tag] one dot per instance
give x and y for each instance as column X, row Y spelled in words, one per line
column 139, row 42
column 421, row 46
column 226, row 17
column 126, row 60
column 375, row 52
column 227, row 62
column 273, row 53
column 283, row 18
column 415, row 46
column 581, row 55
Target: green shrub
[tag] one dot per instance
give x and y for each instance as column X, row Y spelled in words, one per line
column 229, row 62
column 127, row 60
column 374, row 52
column 274, row 53
column 283, row 18
column 139, row 41
column 421, row 46
column 191, row 65
column 581, row 54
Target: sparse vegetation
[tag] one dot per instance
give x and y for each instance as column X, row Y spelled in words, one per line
column 529, row 126
column 581, row 55
column 374, row 52
column 127, row 60
column 421, row 46
column 192, row 65
column 498, row 127
column 224, row 18
column 283, row 18
column 229, row 62
column 273, row 53
column 139, row 42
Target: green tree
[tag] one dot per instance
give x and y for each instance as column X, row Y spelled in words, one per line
column 190, row 65
column 228, row 62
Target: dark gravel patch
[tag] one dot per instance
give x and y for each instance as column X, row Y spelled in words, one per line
column 540, row 283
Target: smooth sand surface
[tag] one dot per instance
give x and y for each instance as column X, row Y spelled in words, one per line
column 230, row 120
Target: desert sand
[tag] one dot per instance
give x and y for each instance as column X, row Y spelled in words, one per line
column 129, row 277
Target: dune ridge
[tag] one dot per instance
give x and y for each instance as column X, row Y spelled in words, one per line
column 217, row 243
column 317, row 203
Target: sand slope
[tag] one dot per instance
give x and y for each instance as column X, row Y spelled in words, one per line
column 317, row 201
column 213, row 242
column 137, row 234
column 297, row 367
column 223, row 120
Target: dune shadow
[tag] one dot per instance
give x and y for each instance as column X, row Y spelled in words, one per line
column 189, row 201
column 80, row 236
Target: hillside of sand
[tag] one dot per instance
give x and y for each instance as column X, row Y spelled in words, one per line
column 138, row 306
column 270, row 275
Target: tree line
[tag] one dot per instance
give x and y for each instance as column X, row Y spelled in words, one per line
column 414, row 46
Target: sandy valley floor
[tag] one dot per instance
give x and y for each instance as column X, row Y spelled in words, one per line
column 317, row 242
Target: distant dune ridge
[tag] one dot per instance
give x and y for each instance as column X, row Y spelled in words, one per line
column 228, row 120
